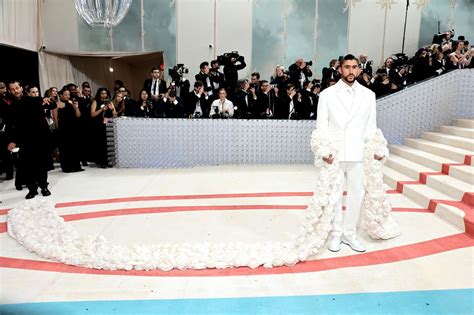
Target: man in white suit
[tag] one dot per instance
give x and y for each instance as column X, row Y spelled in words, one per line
column 346, row 111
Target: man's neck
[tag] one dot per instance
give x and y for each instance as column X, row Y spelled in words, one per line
column 347, row 83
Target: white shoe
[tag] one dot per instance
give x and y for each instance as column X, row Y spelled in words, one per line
column 353, row 243
column 335, row 244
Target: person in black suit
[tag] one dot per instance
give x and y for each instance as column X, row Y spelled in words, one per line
column 365, row 65
column 155, row 86
column 231, row 73
column 309, row 102
column 244, row 100
column 32, row 135
column 299, row 72
column 217, row 77
column 174, row 106
column 205, row 78
column 198, row 102
column 267, row 102
column 330, row 73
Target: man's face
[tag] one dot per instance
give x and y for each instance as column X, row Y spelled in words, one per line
column 34, row 92
column 123, row 91
column 389, row 63
column 155, row 74
column 216, row 66
column 266, row 87
column 349, row 71
column 73, row 91
column 363, row 59
column 222, row 95
column 3, row 89
column 86, row 91
column 460, row 45
column 254, row 79
column 205, row 70
column 16, row 90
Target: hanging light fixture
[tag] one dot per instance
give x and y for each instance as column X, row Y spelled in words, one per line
column 104, row 13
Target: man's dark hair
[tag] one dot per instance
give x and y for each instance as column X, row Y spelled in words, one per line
column 256, row 74
column 203, row 64
column 290, row 86
column 71, row 85
column 349, row 57
column 213, row 62
column 263, row 82
column 85, row 84
column 198, row 84
column 332, row 62
column 30, row 87
column 155, row 68
column 119, row 83
column 306, row 83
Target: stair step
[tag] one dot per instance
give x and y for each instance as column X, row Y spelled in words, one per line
column 464, row 122
column 391, row 177
column 443, row 150
column 406, row 166
column 458, row 131
column 455, row 141
column 432, row 161
column 423, row 194
column 452, row 215
column 449, row 186
column 464, row 173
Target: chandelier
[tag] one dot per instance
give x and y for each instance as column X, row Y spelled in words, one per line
column 105, row 13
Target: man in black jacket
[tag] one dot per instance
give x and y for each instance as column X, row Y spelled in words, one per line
column 155, row 86
column 32, row 136
column 331, row 73
column 299, row 72
column 205, row 78
column 231, row 72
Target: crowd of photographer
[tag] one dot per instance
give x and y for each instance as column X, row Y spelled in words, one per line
column 68, row 125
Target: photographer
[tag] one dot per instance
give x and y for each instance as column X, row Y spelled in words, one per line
column 205, row 78
column 69, row 133
column 280, row 78
column 174, row 106
column 300, row 72
column 217, row 77
column 154, row 86
column 31, row 134
column 255, row 81
column 222, row 107
column 198, row 102
column 143, row 107
column 382, row 84
column 267, row 101
column 290, row 104
column 330, row 73
column 421, row 65
column 365, row 65
column 6, row 125
column 244, row 100
column 180, row 84
column 232, row 62
column 309, row 102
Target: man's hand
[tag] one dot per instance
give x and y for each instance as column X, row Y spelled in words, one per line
column 154, row 97
column 328, row 159
column 378, row 157
column 11, row 146
column 46, row 101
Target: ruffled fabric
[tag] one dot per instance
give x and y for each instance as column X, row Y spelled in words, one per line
column 37, row 226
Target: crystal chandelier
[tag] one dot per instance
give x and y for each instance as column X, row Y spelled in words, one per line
column 105, row 13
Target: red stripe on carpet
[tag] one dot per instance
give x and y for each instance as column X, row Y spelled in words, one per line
column 4, row 211
column 395, row 254
column 468, row 159
column 183, row 197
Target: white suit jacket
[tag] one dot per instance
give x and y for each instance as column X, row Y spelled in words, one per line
column 347, row 124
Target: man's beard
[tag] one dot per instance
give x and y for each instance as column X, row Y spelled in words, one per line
column 346, row 78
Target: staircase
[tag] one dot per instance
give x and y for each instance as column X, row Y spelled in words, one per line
column 437, row 172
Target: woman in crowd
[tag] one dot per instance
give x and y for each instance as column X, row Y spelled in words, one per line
column 143, row 106
column 101, row 104
column 119, row 104
column 280, row 78
column 68, row 132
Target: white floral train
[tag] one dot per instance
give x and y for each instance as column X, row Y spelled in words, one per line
column 38, row 227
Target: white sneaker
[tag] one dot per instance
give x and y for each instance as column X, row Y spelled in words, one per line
column 353, row 243
column 335, row 244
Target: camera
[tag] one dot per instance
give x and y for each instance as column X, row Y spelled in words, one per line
column 178, row 71
column 438, row 38
column 207, row 88
column 225, row 59
column 309, row 63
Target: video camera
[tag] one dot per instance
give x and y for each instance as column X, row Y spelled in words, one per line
column 438, row 38
column 177, row 71
column 225, row 59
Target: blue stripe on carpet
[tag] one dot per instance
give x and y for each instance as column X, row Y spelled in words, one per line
column 412, row 302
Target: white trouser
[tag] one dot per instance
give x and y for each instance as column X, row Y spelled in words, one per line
column 351, row 173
